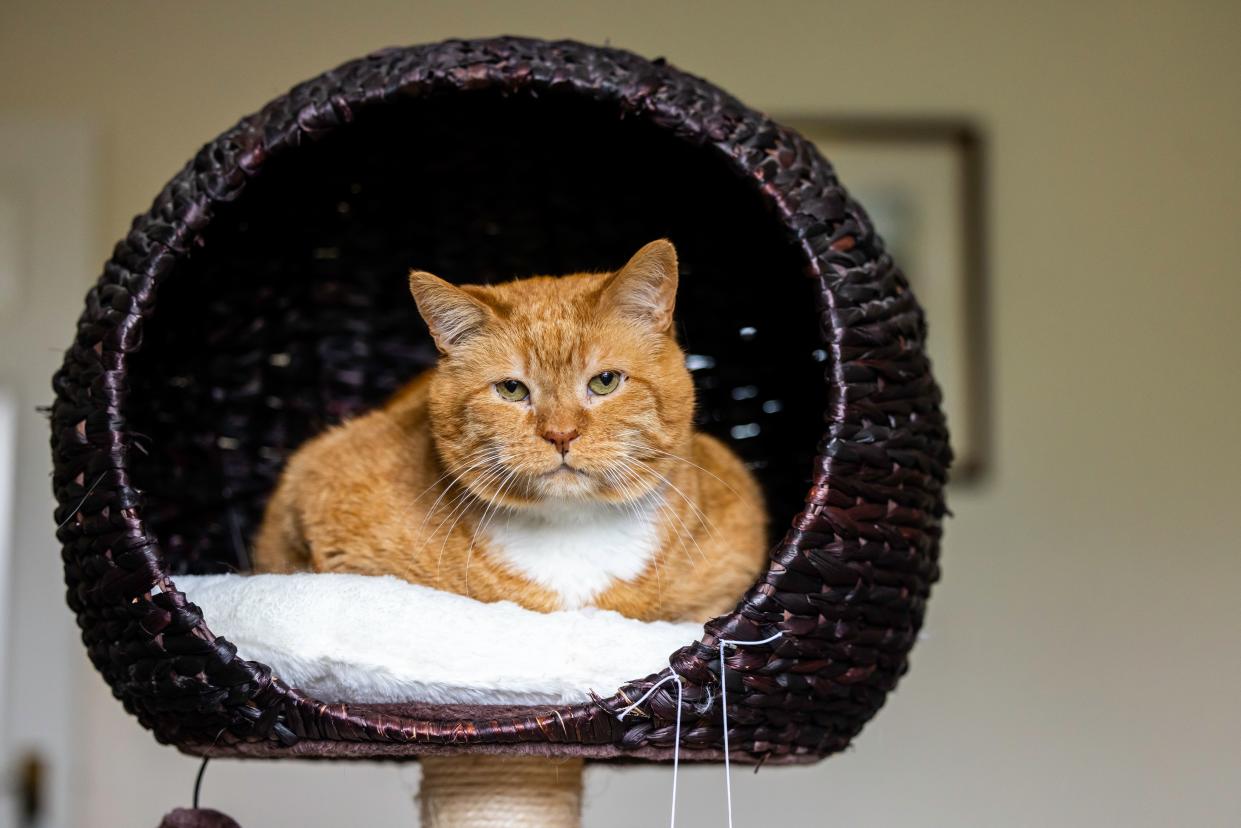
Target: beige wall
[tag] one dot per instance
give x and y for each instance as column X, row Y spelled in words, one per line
column 1082, row 665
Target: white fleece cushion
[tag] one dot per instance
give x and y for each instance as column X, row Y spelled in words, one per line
column 362, row 638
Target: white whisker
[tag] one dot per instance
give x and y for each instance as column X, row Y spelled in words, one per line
column 488, row 456
column 692, row 505
column 721, row 481
column 628, row 468
column 469, row 553
column 463, row 501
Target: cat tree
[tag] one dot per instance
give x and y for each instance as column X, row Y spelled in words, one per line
column 263, row 296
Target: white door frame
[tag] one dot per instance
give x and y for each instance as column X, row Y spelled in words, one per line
column 49, row 192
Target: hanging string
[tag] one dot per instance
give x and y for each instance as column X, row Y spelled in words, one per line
column 202, row 769
column 198, row 780
column 728, row 780
column 676, row 744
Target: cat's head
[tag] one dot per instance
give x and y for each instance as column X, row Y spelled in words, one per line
column 560, row 388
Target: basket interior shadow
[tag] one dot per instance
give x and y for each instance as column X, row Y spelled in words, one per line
column 295, row 313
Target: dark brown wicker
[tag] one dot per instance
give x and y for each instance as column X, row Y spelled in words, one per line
column 263, row 296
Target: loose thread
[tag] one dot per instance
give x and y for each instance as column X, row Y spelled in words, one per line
column 82, row 502
column 676, row 744
column 728, row 777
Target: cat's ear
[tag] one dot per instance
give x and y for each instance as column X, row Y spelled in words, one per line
column 645, row 289
column 451, row 314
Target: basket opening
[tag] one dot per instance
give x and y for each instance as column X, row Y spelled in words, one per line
column 295, row 312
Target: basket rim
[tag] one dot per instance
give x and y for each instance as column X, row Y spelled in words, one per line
column 259, row 709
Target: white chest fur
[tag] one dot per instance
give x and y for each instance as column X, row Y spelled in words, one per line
column 577, row 550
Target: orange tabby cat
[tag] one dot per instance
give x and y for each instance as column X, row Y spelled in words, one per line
column 549, row 459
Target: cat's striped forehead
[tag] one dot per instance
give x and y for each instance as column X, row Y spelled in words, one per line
column 560, row 347
column 558, row 327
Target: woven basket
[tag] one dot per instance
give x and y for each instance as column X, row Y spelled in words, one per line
column 263, row 297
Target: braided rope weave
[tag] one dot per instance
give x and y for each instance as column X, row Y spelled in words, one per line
column 491, row 791
column 847, row 583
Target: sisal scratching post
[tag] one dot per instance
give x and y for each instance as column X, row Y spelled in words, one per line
column 491, row 791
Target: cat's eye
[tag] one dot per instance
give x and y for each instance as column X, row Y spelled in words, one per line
column 604, row 383
column 512, row 390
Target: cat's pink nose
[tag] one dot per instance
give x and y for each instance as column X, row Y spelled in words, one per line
column 560, row 439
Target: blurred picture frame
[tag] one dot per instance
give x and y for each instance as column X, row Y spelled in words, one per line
column 922, row 181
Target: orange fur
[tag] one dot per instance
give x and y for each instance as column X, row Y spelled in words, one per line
column 411, row 489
